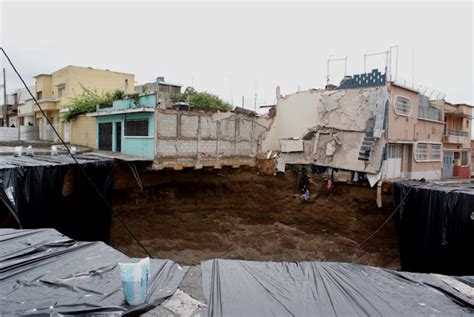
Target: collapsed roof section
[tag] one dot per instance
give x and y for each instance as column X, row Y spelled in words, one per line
column 334, row 128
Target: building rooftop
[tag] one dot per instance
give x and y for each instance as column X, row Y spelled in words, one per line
column 83, row 67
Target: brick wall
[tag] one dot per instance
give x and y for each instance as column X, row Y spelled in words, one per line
column 195, row 139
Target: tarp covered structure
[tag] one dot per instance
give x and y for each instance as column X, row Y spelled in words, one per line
column 436, row 227
column 51, row 192
column 45, row 272
column 248, row 288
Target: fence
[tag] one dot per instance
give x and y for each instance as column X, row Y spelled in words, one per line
column 26, row 133
column 457, row 132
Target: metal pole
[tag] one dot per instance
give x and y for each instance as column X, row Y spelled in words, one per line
column 255, row 104
column 413, row 66
column 327, row 71
column 365, row 62
column 17, row 104
column 396, row 66
column 4, row 108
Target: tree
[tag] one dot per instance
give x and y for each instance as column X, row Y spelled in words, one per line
column 201, row 100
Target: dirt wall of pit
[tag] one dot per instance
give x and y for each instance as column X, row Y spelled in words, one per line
column 193, row 215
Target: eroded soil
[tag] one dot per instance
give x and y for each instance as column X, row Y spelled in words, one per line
column 190, row 216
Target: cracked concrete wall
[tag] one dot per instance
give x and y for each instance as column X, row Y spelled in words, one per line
column 348, row 114
column 349, row 110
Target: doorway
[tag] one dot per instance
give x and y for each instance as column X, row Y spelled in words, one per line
column 118, row 136
column 105, row 136
column 448, row 164
column 394, row 161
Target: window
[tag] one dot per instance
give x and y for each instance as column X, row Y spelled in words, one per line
column 426, row 110
column 421, row 152
column 39, row 95
column 61, row 91
column 136, row 127
column 394, row 151
column 436, row 152
column 465, row 158
column 402, row 106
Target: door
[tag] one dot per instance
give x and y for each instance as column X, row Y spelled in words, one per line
column 448, row 160
column 394, row 161
column 118, row 136
column 105, row 136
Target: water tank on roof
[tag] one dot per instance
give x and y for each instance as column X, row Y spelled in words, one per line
column 160, row 79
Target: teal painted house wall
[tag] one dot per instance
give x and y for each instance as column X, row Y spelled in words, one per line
column 147, row 101
column 143, row 146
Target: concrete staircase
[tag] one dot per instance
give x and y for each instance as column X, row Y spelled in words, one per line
column 366, row 147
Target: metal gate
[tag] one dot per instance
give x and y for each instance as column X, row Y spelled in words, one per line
column 448, row 159
column 105, row 136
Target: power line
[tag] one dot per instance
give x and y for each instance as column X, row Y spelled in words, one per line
column 388, row 218
column 81, row 169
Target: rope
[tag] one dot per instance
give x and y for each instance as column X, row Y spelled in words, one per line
column 387, row 220
column 81, row 169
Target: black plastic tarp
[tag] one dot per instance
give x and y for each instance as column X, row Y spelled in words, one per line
column 435, row 227
column 247, row 288
column 44, row 272
column 51, row 192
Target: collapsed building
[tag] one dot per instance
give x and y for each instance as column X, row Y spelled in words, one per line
column 366, row 125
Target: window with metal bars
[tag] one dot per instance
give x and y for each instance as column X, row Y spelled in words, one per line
column 136, row 127
column 465, row 158
column 436, row 152
column 421, row 152
column 402, row 106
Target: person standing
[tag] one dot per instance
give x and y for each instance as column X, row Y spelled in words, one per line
column 303, row 185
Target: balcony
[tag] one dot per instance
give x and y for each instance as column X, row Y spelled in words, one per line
column 456, row 136
column 47, row 104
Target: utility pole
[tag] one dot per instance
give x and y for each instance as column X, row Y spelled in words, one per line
column 4, row 108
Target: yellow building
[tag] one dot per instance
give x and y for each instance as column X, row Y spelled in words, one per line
column 54, row 91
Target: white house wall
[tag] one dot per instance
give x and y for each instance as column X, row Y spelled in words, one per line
column 349, row 114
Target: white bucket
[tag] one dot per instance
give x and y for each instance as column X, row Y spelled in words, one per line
column 134, row 278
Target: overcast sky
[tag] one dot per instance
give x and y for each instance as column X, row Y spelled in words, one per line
column 239, row 49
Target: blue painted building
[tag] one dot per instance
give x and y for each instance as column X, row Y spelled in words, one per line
column 128, row 126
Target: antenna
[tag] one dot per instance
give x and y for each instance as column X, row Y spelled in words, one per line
column 386, row 53
column 392, row 48
column 255, row 105
column 413, row 66
column 336, row 60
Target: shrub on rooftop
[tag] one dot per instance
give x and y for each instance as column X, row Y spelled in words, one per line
column 201, row 100
column 87, row 101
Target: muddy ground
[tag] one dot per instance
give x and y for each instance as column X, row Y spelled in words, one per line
column 190, row 216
